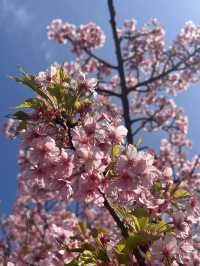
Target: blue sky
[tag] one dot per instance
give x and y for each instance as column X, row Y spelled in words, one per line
column 24, row 42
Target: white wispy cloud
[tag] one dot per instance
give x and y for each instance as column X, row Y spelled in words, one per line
column 14, row 14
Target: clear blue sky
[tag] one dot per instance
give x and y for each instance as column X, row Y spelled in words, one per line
column 23, row 41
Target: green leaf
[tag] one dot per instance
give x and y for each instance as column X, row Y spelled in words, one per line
column 115, row 151
column 82, row 228
column 61, row 75
column 99, row 243
column 181, row 193
column 122, row 258
column 27, row 80
column 69, row 101
column 142, row 217
column 58, row 92
column 20, row 115
column 139, row 239
column 124, row 247
column 17, row 79
column 141, row 213
column 82, row 102
column 101, row 255
column 123, row 212
column 136, row 240
column 137, row 218
column 30, row 81
column 162, row 227
column 120, row 248
column 31, row 103
column 157, row 187
column 121, row 253
column 87, row 258
column 135, row 223
column 22, row 70
column 89, row 255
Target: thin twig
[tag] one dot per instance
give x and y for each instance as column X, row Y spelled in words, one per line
column 107, row 92
column 101, row 60
column 165, row 73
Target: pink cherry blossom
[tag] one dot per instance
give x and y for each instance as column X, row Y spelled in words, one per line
column 81, row 160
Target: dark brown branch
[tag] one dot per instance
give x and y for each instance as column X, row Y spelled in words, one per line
column 143, row 148
column 139, row 119
column 139, row 91
column 115, row 217
column 107, row 92
column 124, row 230
column 124, row 98
column 70, row 138
column 91, row 54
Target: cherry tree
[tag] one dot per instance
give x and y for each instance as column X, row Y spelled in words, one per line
column 89, row 192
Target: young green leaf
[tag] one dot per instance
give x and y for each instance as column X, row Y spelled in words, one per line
column 115, row 151
column 181, row 193
column 20, row 115
column 31, row 103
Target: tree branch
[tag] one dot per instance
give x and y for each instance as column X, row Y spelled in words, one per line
column 139, row 119
column 121, row 72
column 91, row 54
column 106, row 63
column 124, row 230
column 115, row 217
column 107, row 92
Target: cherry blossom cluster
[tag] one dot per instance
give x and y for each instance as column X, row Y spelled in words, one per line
column 79, row 148
column 51, row 224
column 58, row 233
column 9, row 128
column 140, row 51
column 145, row 55
column 47, row 226
column 87, row 36
column 78, row 153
